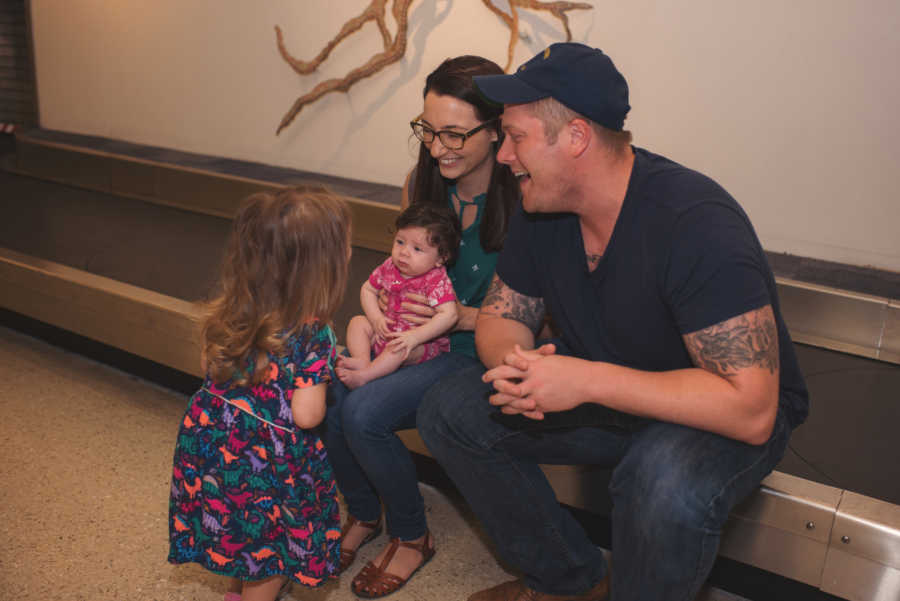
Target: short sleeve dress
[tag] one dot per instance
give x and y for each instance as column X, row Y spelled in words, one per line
column 253, row 495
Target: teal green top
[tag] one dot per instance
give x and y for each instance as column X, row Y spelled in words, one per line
column 472, row 272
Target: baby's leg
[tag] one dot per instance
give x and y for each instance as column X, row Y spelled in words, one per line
column 359, row 343
column 385, row 363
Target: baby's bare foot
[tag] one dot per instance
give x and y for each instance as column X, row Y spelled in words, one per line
column 352, row 378
column 353, row 363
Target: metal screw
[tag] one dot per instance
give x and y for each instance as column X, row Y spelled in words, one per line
column 810, row 526
column 845, row 539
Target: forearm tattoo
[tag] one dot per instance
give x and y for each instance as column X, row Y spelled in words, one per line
column 503, row 301
column 748, row 340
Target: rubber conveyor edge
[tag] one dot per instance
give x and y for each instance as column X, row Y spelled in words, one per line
column 841, row 542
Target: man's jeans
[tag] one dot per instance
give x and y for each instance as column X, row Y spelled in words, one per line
column 370, row 462
column 672, row 489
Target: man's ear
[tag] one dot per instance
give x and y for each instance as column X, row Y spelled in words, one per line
column 580, row 134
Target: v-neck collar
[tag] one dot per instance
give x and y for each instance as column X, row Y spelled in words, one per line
column 478, row 200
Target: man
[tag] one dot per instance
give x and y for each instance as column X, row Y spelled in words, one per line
column 673, row 363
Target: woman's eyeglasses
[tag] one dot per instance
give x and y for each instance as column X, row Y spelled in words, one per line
column 452, row 140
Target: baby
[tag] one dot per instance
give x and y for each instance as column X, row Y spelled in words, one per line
column 427, row 238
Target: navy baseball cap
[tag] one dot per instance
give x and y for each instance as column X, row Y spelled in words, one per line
column 580, row 77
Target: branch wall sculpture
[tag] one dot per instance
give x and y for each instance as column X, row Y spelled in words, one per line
column 557, row 9
column 395, row 47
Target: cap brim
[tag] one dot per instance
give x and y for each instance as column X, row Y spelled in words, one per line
column 507, row 89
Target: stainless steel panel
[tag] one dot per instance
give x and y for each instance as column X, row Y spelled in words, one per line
column 868, row 528
column 796, row 557
column 858, row 579
column 783, row 527
column 794, row 505
column 890, row 343
column 830, row 318
column 863, row 560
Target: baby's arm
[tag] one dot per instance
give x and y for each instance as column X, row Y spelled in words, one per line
column 308, row 406
column 442, row 322
column 368, row 298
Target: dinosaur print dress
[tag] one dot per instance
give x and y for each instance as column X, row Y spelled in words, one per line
column 253, row 495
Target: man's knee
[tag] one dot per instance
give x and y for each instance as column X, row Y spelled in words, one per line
column 656, row 498
column 675, row 482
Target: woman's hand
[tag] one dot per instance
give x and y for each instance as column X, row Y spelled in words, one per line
column 383, row 301
column 467, row 317
column 416, row 309
column 381, row 325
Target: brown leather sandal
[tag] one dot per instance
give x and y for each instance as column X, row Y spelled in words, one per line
column 374, row 582
column 349, row 555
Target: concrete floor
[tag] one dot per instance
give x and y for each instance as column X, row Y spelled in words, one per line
column 84, row 486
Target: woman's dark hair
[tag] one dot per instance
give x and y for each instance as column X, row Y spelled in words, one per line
column 441, row 224
column 454, row 78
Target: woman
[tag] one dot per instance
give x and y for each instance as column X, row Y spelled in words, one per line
column 460, row 134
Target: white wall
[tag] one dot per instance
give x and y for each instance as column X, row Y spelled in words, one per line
column 791, row 105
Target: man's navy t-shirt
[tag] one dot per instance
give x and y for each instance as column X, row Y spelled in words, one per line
column 683, row 256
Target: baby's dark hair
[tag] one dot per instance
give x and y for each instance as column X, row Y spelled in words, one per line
column 441, row 223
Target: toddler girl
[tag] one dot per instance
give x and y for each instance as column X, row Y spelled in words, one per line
column 253, row 495
column 427, row 238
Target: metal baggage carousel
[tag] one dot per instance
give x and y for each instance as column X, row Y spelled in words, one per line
column 114, row 242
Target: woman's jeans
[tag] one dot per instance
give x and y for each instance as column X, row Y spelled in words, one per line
column 672, row 488
column 371, row 464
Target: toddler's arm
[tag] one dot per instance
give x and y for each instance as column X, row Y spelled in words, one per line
column 308, row 406
column 442, row 322
column 368, row 298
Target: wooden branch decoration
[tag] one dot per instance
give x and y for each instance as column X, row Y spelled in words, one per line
column 557, row 9
column 395, row 47
column 393, row 51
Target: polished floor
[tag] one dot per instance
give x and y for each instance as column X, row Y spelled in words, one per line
column 84, row 485
column 84, row 491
